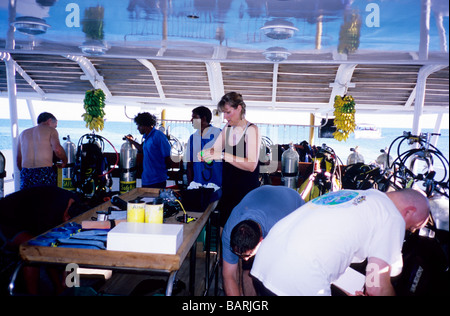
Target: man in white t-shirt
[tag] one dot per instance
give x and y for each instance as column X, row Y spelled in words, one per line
column 310, row 248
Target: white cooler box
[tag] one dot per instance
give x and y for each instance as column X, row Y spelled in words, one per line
column 146, row 237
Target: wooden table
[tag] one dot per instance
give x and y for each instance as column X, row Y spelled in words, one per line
column 107, row 259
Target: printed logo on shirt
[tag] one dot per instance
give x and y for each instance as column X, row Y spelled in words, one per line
column 359, row 200
column 336, row 198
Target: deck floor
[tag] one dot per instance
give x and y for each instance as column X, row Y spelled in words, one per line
column 133, row 284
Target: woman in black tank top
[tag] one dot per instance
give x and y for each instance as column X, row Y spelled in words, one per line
column 238, row 145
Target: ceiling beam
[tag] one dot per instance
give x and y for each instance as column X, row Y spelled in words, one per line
column 214, row 71
column 411, row 98
column 91, row 74
column 342, row 82
column 215, row 79
column 8, row 58
column 274, row 83
column 419, row 101
column 155, row 75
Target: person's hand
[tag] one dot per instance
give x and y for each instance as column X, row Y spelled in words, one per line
column 207, row 155
column 61, row 164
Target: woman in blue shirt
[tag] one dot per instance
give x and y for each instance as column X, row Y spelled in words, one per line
column 204, row 138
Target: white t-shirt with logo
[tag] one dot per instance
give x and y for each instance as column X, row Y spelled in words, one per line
column 310, row 248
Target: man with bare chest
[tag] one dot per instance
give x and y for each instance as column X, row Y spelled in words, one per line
column 35, row 152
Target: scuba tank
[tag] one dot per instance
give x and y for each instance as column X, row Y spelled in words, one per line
column 289, row 167
column 2, row 174
column 382, row 160
column 67, row 172
column 355, row 156
column 128, row 154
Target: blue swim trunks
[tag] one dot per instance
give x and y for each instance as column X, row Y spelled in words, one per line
column 33, row 177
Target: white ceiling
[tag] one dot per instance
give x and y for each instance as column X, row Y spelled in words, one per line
column 186, row 53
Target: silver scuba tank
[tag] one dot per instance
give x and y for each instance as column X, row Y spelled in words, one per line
column 67, row 172
column 384, row 160
column 289, row 167
column 355, row 157
column 127, row 164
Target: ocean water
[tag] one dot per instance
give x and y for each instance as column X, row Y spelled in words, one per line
column 278, row 134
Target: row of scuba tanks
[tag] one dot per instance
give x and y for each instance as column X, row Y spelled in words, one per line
column 290, row 159
column 88, row 171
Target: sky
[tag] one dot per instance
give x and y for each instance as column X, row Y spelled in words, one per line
column 117, row 113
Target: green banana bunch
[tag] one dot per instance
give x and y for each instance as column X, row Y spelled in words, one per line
column 94, row 103
column 93, row 122
column 344, row 112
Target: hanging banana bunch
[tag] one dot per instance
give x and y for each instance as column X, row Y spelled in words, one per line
column 94, row 102
column 344, row 112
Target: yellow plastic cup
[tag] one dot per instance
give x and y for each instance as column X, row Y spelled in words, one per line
column 154, row 213
column 136, row 212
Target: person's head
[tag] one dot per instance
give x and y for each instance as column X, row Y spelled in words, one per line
column 47, row 118
column 414, row 207
column 203, row 114
column 145, row 122
column 245, row 239
column 233, row 107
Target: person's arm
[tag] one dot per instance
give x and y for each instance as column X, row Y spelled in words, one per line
column 133, row 142
column 230, row 273
column 57, row 148
column 378, row 278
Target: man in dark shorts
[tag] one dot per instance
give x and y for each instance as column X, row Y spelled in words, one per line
column 35, row 152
